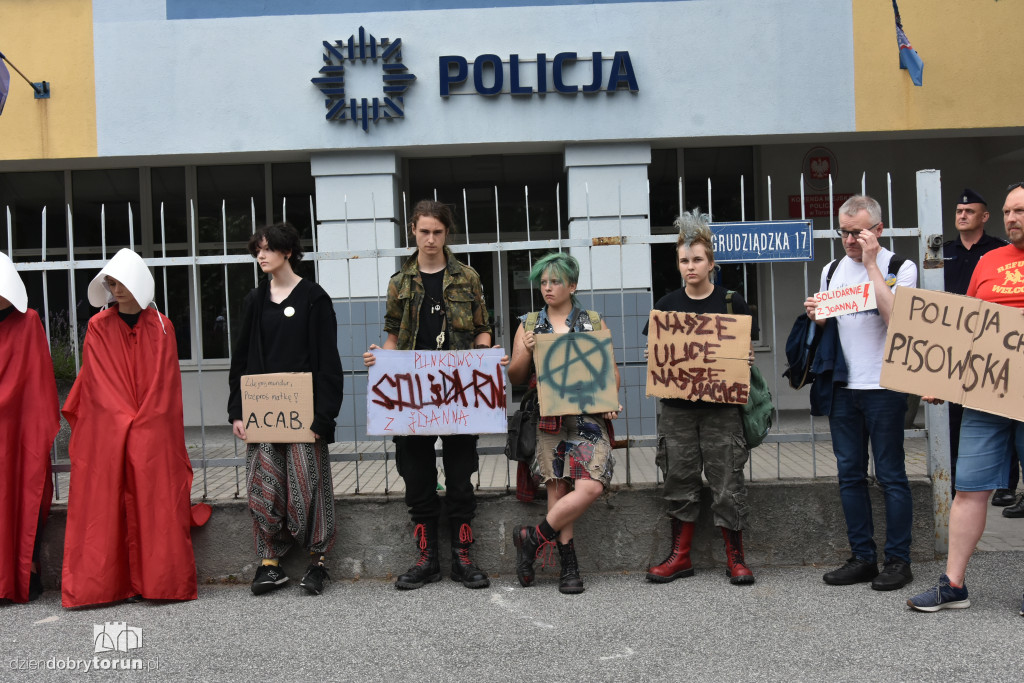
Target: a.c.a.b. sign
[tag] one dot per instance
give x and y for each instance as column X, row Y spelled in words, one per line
column 278, row 407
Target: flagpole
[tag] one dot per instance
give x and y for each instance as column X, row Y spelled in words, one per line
column 42, row 89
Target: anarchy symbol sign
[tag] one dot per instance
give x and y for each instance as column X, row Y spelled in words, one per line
column 576, row 373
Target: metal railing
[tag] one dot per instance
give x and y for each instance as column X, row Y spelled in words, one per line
column 362, row 451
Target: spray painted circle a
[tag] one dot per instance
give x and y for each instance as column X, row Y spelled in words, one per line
column 586, row 358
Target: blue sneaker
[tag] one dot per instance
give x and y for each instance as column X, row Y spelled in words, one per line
column 942, row 596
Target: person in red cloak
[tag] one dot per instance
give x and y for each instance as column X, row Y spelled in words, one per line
column 128, row 532
column 29, row 421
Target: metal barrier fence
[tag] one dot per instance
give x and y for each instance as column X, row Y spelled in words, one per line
column 376, row 449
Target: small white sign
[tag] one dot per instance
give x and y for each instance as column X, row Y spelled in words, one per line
column 844, row 300
column 436, row 393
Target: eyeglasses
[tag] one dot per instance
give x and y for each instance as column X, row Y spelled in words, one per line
column 1013, row 187
column 843, row 234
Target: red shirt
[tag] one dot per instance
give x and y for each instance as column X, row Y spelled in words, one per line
column 999, row 277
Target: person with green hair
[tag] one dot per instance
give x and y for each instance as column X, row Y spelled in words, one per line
column 574, row 453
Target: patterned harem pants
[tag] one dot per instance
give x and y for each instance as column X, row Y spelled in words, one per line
column 291, row 496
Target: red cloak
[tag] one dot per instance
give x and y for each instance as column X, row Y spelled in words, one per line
column 29, row 421
column 131, row 480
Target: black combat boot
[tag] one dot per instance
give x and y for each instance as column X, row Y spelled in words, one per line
column 570, row 581
column 530, row 542
column 427, row 568
column 463, row 568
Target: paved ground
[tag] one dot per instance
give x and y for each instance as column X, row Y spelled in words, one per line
column 789, row 626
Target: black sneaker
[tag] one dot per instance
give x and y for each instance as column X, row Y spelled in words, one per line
column 268, row 577
column 895, row 574
column 313, row 580
column 854, row 571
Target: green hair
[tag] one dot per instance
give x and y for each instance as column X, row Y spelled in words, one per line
column 559, row 264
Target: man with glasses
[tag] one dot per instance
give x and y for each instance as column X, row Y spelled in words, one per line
column 984, row 437
column 961, row 256
column 862, row 409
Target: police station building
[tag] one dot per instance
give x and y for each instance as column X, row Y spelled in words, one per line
column 173, row 125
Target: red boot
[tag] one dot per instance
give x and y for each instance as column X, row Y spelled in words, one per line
column 738, row 572
column 677, row 564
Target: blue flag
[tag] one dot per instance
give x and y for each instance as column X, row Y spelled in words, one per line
column 5, row 84
column 909, row 59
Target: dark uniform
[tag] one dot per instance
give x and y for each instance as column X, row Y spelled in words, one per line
column 957, row 270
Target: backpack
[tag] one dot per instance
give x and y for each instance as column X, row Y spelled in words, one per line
column 802, row 343
column 757, row 412
column 801, row 346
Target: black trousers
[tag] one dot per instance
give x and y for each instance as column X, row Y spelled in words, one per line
column 415, row 459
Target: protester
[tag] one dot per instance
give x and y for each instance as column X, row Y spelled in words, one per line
column 29, row 421
column 288, row 325
column 862, row 411
column 574, row 453
column 699, row 436
column 961, row 257
column 985, row 438
column 128, row 522
column 435, row 303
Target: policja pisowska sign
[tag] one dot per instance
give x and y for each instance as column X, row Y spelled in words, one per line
column 565, row 73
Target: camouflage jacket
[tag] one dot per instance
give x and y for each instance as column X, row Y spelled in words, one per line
column 465, row 310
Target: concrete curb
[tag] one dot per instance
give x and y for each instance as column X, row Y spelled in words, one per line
column 791, row 523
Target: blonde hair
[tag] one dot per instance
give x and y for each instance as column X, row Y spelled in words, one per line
column 694, row 229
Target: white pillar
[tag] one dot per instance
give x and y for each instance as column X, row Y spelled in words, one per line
column 357, row 206
column 608, row 197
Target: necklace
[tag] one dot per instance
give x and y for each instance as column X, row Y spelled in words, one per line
column 436, row 308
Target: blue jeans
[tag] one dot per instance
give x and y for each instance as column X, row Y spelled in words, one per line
column 857, row 416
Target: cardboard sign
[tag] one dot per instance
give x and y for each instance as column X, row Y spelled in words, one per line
column 576, row 373
column 278, row 407
column 436, row 392
column 956, row 348
column 699, row 357
column 836, row 302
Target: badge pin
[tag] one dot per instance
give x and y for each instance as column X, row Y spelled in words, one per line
column 289, row 312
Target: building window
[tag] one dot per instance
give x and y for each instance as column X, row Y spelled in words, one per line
column 228, row 201
column 723, row 167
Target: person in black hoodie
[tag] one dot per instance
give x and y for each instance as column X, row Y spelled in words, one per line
column 288, row 325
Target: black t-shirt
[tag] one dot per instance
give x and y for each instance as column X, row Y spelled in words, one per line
column 130, row 319
column 432, row 313
column 714, row 303
column 284, row 330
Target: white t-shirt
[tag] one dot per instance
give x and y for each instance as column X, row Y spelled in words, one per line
column 862, row 335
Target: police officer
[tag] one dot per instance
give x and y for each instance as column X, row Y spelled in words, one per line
column 961, row 255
